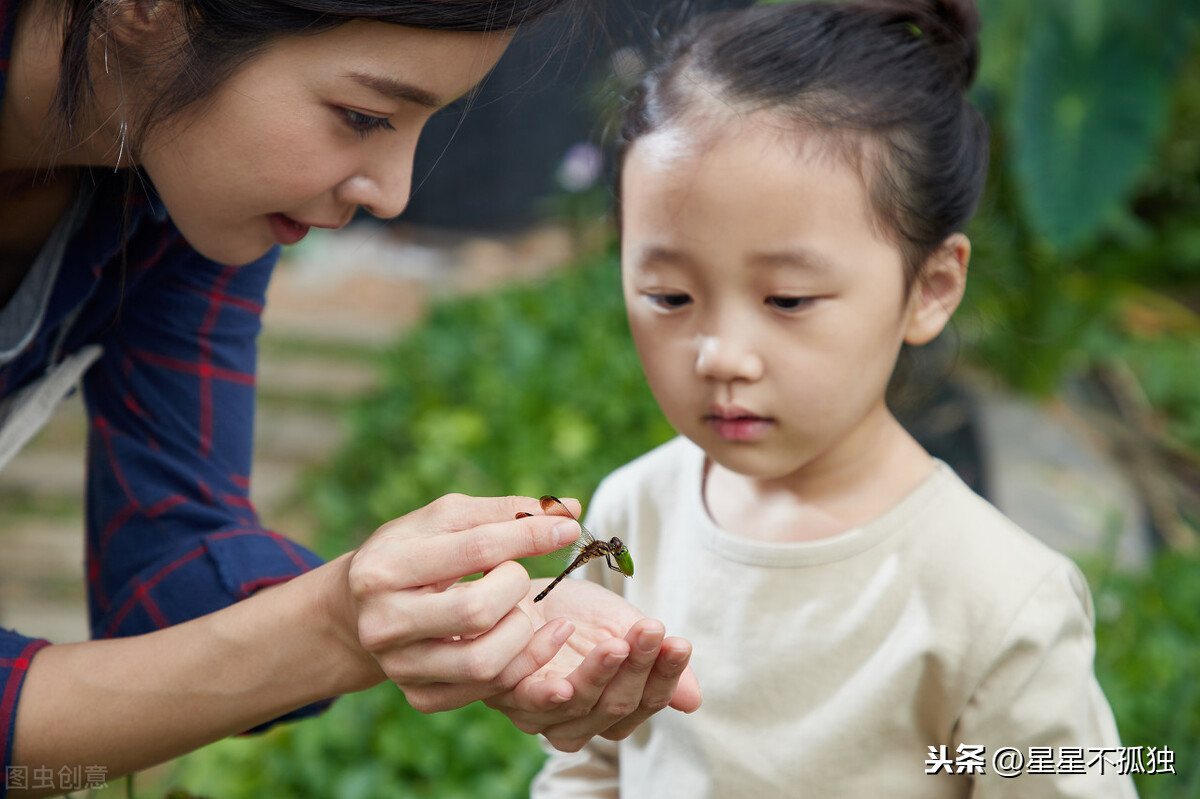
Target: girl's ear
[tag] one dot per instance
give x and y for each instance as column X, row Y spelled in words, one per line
column 938, row 290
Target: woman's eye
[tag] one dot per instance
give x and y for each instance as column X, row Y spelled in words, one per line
column 790, row 303
column 668, row 301
column 365, row 124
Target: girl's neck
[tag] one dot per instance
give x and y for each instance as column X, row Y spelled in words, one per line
column 836, row 492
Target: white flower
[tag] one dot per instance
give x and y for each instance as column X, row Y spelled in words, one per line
column 580, row 167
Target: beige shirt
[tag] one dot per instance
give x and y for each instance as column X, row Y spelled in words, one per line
column 830, row 668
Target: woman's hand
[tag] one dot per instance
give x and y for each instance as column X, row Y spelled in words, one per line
column 615, row 672
column 447, row 643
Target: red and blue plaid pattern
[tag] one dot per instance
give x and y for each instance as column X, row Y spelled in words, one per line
column 171, row 532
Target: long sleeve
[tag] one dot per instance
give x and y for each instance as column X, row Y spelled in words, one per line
column 590, row 772
column 16, row 651
column 171, row 532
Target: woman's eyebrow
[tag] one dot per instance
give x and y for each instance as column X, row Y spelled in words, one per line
column 396, row 89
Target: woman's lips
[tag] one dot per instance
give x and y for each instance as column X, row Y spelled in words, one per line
column 287, row 230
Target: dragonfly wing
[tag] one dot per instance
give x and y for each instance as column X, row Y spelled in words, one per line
column 553, row 506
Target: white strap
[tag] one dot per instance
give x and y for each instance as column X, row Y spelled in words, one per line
column 24, row 413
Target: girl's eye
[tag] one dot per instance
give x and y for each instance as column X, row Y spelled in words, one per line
column 668, row 302
column 790, row 303
column 365, row 124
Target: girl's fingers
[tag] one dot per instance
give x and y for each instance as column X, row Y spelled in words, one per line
column 624, row 695
column 661, row 689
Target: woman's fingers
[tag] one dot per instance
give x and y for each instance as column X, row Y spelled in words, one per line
column 465, row 656
column 476, row 659
column 447, row 643
column 431, row 549
column 392, row 619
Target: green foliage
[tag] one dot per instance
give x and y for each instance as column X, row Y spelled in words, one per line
column 372, row 745
column 529, row 390
column 1158, row 340
column 1148, row 661
column 1092, row 104
column 1092, row 185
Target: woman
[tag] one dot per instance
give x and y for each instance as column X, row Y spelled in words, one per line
column 154, row 154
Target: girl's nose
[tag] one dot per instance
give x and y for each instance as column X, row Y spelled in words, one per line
column 726, row 359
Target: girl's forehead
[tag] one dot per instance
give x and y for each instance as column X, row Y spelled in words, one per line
column 685, row 145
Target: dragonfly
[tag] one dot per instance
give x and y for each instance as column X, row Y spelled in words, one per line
column 585, row 548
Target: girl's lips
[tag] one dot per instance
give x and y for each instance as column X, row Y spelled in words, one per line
column 286, row 230
column 740, row 428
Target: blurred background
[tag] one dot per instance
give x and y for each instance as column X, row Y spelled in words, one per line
column 478, row 344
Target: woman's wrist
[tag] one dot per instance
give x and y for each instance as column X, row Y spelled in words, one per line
column 338, row 624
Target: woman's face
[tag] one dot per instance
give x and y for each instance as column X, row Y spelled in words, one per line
column 309, row 131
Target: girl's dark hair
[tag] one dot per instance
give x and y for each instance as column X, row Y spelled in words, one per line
column 893, row 74
column 218, row 36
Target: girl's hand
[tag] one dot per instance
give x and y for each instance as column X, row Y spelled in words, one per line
column 447, row 643
column 615, row 672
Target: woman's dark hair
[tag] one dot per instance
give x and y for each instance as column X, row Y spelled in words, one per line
column 893, row 74
column 218, row 36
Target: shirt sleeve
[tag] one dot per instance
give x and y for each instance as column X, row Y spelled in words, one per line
column 1041, row 698
column 591, row 772
column 171, row 531
column 16, row 651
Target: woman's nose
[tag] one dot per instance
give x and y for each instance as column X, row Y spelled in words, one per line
column 382, row 185
column 726, row 358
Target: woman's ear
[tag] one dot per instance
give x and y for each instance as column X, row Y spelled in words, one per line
column 141, row 21
column 938, row 290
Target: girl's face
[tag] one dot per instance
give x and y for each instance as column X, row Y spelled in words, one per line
column 308, row 132
column 766, row 307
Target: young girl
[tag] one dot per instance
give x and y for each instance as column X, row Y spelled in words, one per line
column 793, row 182
column 154, row 154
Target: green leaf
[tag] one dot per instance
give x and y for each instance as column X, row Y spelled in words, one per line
column 1092, row 105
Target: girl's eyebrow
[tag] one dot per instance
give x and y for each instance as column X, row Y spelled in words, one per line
column 396, row 89
column 656, row 253
column 802, row 258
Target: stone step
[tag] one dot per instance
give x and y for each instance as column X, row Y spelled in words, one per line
column 1051, row 474
column 297, row 435
column 42, row 589
column 43, row 475
column 288, row 378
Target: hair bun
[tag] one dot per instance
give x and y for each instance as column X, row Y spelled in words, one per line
column 953, row 30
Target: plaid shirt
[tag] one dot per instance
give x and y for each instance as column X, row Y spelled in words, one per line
column 171, row 532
